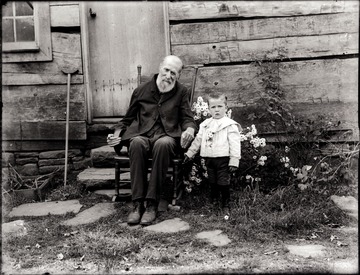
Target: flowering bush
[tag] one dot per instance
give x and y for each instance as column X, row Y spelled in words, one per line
column 265, row 166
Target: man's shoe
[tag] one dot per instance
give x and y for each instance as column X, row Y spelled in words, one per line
column 150, row 213
column 135, row 214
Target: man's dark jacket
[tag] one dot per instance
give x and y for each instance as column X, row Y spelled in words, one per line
column 146, row 107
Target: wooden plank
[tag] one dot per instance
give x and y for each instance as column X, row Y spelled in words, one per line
column 65, row 16
column 66, row 53
column 42, row 145
column 36, row 79
column 45, row 102
column 346, row 113
column 290, row 47
column 221, row 31
column 52, row 130
column 320, row 80
column 43, row 130
column 67, row 46
column 304, row 81
column 10, row 128
column 192, row 10
column 63, row 3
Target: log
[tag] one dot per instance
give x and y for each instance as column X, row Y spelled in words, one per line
column 194, row 10
column 346, row 113
column 45, row 130
column 39, row 145
column 303, row 81
column 242, row 30
column 45, row 102
column 288, row 47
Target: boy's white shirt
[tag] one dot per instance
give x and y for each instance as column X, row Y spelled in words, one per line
column 225, row 141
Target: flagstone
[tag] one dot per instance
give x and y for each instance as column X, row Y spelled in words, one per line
column 346, row 203
column 14, row 228
column 169, row 226
column 307, row 251
column 46, row 208
column 215, row 237
column 92, row 214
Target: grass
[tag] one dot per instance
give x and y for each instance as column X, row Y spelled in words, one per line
column 259, row 222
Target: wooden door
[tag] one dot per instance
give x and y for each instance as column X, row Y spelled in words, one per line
column 122, row 36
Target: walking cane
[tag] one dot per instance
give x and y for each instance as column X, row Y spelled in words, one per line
column 69, row 72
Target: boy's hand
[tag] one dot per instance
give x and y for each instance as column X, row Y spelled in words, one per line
column 232, row 169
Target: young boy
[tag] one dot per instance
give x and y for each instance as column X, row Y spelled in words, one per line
column 218, row 140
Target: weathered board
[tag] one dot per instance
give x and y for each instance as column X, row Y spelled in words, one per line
column 190, row 10
column 66, row 54
column 345, row 113
column 65, row 16
column 310, row 81
column 291, row 47
column 45, row 102
column 43, row 145
column 265, row 28
column 43, row 130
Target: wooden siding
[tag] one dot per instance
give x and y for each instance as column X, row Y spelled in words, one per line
column 34, row 93
column 315, row 43
column 191, row 10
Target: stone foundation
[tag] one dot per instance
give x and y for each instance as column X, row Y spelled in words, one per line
column 39, row 163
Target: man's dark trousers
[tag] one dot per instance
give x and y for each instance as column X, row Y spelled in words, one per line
column 161, row 150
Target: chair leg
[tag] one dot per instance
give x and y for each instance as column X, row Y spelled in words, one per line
column 117, row 177
column 175, row 179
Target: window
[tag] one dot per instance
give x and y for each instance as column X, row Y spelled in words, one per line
column 26, row 32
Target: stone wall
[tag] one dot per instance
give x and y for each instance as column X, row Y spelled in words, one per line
column 40, row 163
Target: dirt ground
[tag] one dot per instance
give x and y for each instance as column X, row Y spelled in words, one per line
column 271, row 256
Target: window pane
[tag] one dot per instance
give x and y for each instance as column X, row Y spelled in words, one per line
column 8, row 30
column 7, row 9
column 23, row 8
column 25, row 30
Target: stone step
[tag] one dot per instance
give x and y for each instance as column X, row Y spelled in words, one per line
column 97, row 178
column 103, row 157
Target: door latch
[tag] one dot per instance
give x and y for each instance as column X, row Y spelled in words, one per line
column 92, row 14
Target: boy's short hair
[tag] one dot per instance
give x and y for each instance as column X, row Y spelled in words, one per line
column 216, row 95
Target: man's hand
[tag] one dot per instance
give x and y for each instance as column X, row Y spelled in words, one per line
column 186, row 137
column 186, row 159
column 232, row 169
column 114, row 139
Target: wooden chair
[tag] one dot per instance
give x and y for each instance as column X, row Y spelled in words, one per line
column 122, row 163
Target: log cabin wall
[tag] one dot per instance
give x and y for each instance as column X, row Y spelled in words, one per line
column 34, row 101
column 319, row 40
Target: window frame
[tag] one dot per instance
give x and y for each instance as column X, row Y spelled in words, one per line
column 41, row 49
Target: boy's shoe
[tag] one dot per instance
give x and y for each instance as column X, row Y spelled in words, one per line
column 150, row 213
column 135, row 214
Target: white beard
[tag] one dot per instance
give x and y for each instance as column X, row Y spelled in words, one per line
column 165, row 87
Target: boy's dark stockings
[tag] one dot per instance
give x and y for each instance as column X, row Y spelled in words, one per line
column 224, row 191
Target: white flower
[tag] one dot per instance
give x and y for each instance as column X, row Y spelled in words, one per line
column 286, row 164
column 254, row 157
column 261, row 162
column 200, row 99
column 248, row 177
column 287, row 149
column 257, row 179
column 226, row 217
column 242, row 137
